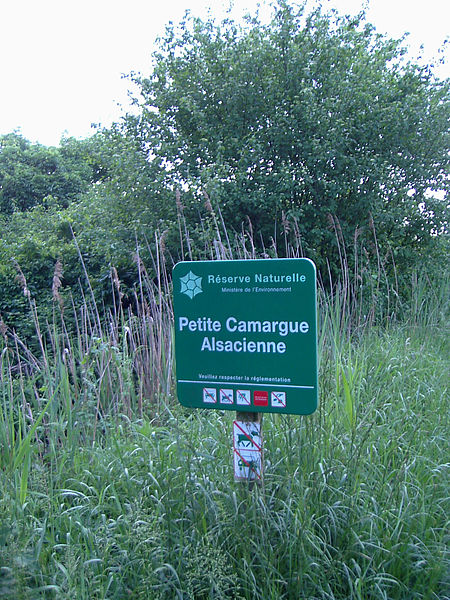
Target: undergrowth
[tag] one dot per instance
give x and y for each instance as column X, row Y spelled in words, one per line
column 109, row 489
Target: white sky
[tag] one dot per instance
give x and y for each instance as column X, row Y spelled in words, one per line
column 61, row 61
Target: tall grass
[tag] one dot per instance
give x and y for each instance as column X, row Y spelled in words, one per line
column 109, row 489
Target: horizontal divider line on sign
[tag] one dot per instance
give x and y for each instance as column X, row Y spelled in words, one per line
column 245, row 384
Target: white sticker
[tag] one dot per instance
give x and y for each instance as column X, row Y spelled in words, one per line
column 243, row 397
column 247, row 466
column 226, row 396
column 209, row 395
column 278, row 399
column 247, row 450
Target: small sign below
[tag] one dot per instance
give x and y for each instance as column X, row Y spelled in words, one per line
column 247, row 450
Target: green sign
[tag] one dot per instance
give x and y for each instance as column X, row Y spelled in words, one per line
column 245, row 335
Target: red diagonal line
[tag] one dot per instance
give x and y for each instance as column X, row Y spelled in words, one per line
column 248, row 464
column 247, row 436
column 210, row 395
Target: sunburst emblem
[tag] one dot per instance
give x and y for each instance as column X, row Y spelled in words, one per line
column 191, row 285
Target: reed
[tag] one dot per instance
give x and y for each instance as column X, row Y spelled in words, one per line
column 110, row 489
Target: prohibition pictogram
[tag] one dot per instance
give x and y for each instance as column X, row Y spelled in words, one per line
column 247, row 467
column 247, row 436
column 209, row 395
column 243, row 397
column 247, row 445
column 278, row 399
column 226, row 396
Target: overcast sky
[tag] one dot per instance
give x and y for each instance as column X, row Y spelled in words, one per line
column 61, row 61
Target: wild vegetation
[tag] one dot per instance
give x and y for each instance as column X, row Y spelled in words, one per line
column 111, row 490
column 309, row 136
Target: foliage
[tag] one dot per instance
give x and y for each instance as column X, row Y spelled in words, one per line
column 120, row 208
column 32, row 174
column 105, row 497
column 306, row 117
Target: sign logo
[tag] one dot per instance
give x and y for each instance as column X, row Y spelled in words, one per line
column 191, row 284
column 261, row 398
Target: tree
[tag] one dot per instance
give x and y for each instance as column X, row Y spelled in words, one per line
column 311, row 117
column 117, row 204
column 36, row 175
